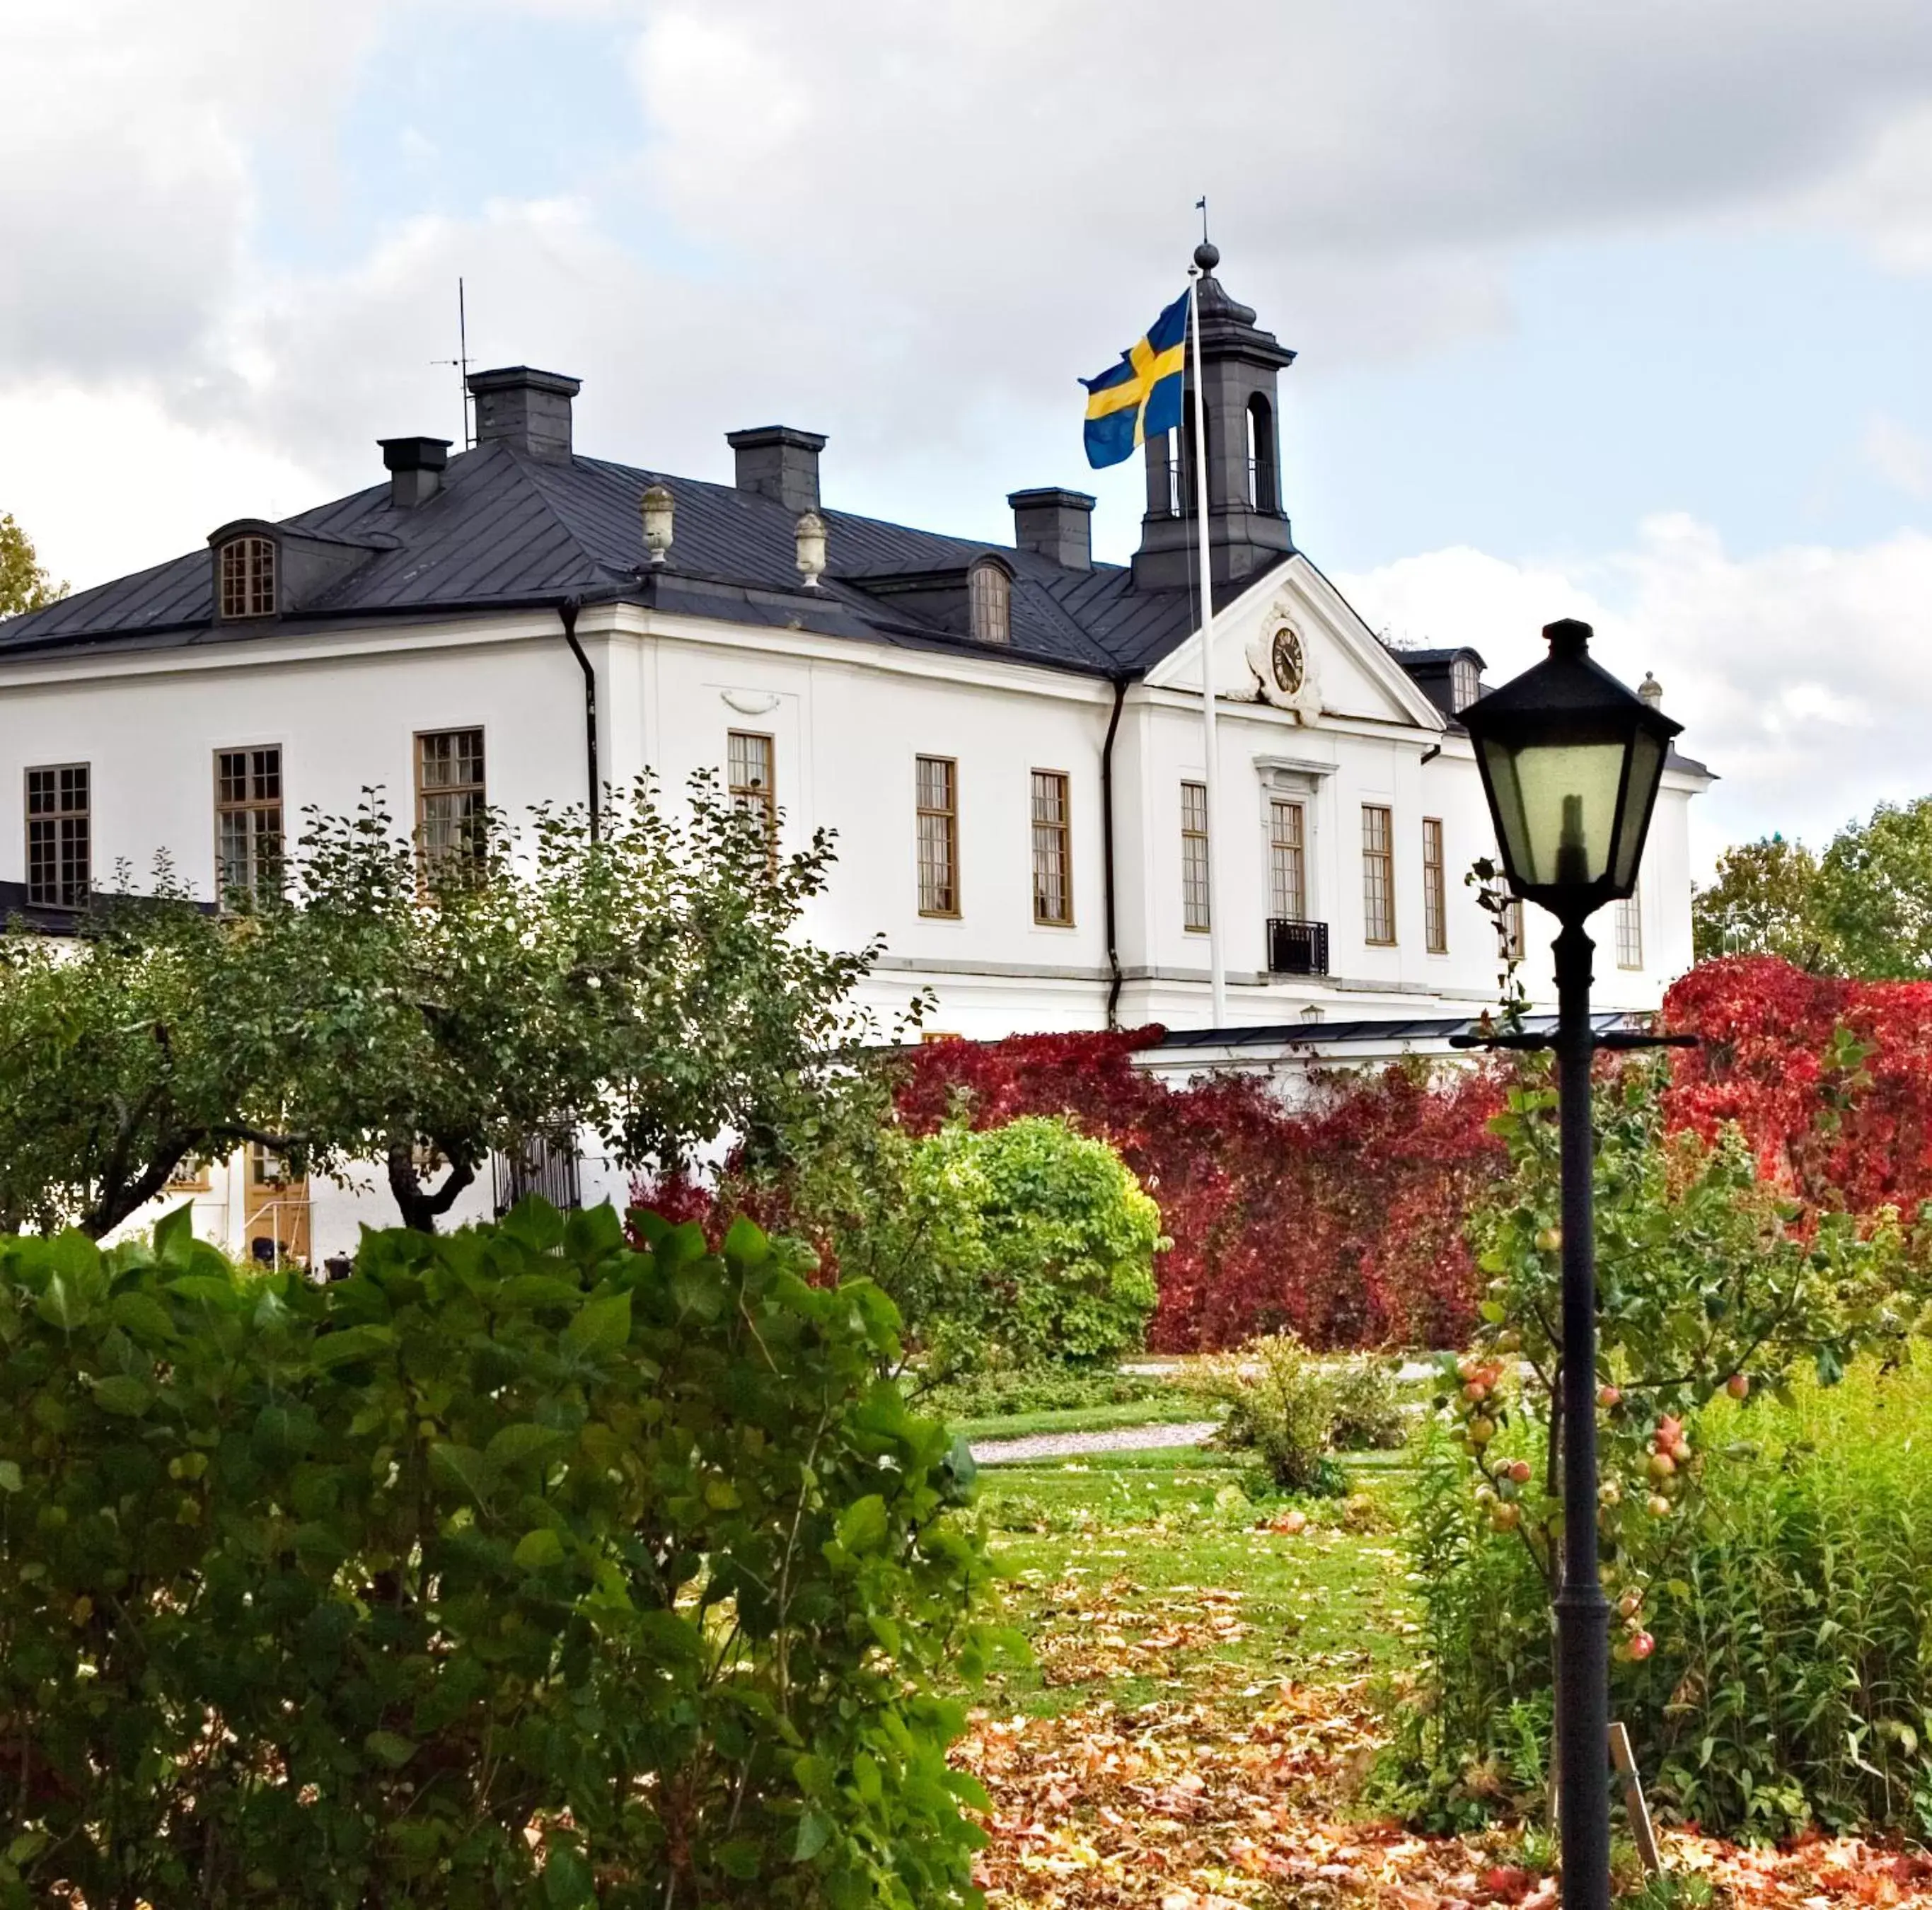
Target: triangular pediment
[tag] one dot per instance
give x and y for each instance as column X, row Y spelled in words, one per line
column 1293, row 640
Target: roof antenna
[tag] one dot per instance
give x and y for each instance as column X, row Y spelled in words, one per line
column 461, row 362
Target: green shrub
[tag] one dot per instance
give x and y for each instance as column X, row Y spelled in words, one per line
column 1280, row 1402
column 1069, row 1240
column 1791, row 1680
column 1001, row 1394
column 1366, row 1405
column 517, row 1566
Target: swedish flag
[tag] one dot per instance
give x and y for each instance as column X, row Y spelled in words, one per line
column 1140, row 398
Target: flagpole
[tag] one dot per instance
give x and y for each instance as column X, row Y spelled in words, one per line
column 1217, row 987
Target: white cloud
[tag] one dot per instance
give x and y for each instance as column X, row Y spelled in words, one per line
column 971, row 188
column 1800, row 674
column 1885, row 195
column 1373, row 167
column 131, row 143
column 110, row 470
column 1900, row 456
column 906, row 226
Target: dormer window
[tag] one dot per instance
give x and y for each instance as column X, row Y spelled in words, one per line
column 1464, row 685
column 990, row 595
column 248, row 577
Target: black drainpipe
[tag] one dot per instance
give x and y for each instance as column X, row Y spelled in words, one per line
column 568, row 608
column 1107, row 855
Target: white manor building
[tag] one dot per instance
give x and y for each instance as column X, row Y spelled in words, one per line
column 1007, row 738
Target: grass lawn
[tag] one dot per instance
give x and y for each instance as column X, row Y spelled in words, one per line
column 1138, row 1576
column 1209, row 1690
column 1172, row 1409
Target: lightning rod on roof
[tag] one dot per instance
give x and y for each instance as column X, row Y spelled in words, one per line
column 461, row 362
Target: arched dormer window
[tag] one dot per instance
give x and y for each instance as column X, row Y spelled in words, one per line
column 989, row 592
column 1464, row 685
column 1262, row 493
column 248, row 577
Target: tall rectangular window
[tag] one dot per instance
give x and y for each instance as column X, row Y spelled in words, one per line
column 1377, row 875
column 60, row 869
column 1194, row 856
column 1052, row 850
column 1435, row 896
column 452, row 818
column 1630, row 932
column 247, row 820
column 1509, row 923
column 1288, row 867
column 938, row 791
column 748, row 757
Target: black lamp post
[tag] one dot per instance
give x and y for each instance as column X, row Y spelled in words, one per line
column 1570, row 763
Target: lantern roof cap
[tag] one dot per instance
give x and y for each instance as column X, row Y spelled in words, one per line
column 1568, row 684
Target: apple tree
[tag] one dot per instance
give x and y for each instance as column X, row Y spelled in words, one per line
column 1709, row 1279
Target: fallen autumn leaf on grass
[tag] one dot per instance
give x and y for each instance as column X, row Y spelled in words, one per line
column 1217, row 1805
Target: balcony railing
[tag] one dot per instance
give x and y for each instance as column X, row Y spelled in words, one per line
column 1297, row 948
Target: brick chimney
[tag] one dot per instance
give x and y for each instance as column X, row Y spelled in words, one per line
column 1055, row 523
column 778, row 462
column 528, row 409
column 415, row 466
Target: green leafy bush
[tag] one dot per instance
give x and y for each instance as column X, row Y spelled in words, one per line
column 519, row 1566
column 1062, row 1266
column 1789, row 1681
column 1003, row 1394
column 1280, row 1402
column 1007, row 1250
column 1365, row 1405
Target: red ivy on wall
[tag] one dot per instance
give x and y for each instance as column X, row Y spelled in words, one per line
column 1830, row 1078
column 1342, row 1220
column 1342, row 1217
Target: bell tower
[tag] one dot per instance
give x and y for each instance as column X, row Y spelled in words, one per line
column 1247, row 525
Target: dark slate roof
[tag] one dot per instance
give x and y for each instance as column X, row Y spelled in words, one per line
column 1405, row 653
column 511, row 530
column 1429, row 1027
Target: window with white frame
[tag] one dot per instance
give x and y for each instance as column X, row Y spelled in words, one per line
column 1464, row 685
column 1377, row 875
column 60, row 848
column 1052, row 850
column 938, row 825
column 248, row 577
column 247, row 820
column 1288, row 865
column 1434, row 890
column 1194, row 856
column 1630, row 932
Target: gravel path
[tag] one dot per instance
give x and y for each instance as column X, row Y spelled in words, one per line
column 1071, row 1445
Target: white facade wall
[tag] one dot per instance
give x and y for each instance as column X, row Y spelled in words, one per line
column 847, row 720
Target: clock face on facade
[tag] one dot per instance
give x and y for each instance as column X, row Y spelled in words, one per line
column 1285, row 655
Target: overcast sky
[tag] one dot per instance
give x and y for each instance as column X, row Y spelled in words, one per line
column 1621, row 310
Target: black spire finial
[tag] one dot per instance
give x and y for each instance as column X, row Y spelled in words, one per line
column 1207, row 254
